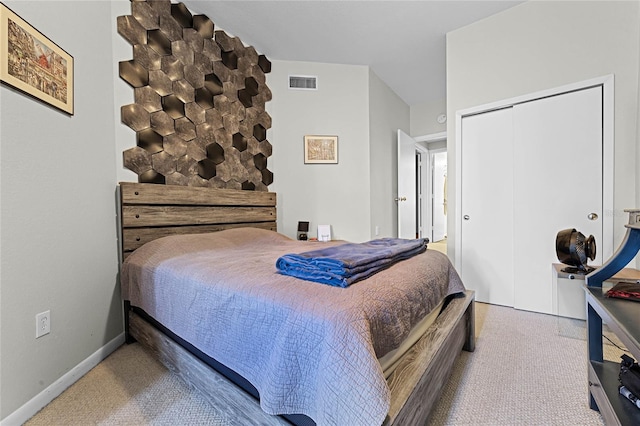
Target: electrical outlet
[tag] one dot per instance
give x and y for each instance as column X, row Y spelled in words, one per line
column 43, row 323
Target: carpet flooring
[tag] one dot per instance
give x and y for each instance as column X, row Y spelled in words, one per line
column 527, row 369
column 439, row 245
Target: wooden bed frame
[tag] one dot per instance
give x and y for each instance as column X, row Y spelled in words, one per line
column 150, row 211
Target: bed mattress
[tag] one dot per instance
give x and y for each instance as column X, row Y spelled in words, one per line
column 308, row 348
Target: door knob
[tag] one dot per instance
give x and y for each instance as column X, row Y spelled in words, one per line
column 465, row 217
column 592, row 216
column 401, row 199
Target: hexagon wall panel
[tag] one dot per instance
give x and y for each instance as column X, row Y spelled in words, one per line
column 199, row 112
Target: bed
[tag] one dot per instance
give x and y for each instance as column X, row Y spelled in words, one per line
column 307, row 350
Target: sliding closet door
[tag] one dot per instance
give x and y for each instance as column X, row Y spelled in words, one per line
column 486, row 257
column 558, row 144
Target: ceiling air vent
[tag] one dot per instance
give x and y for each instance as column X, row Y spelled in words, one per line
column 303, row 82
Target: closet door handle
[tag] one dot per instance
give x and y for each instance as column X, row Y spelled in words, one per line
column 592, row 216
column 466, row 217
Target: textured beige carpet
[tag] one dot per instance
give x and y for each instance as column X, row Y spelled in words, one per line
column 439, row 245
column 528, row 369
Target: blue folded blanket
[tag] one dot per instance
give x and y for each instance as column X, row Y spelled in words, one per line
column 345, row 264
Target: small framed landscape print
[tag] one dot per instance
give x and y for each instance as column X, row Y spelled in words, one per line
column 320, row 149
column 33, row 64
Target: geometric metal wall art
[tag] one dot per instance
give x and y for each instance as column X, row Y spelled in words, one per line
column 199, row 111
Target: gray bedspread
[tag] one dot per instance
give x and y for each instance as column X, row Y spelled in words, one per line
column 307, row 348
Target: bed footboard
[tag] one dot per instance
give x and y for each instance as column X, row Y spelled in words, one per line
column 417, row 382
column 415, row 385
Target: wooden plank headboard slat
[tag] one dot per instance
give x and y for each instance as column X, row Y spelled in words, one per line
column 142, row 216
column 144, row 193
column 132, row 238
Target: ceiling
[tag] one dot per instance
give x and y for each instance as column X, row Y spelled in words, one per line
column 402, row 41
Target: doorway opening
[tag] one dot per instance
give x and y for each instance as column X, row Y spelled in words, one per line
column 421, row 197
column 439, row 197
column 431, row 170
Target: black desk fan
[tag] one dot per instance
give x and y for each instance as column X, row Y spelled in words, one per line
column 572, row 248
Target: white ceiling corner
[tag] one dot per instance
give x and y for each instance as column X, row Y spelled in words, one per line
column 403, row 42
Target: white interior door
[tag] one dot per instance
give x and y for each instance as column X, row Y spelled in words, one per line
column 486, row 256
column 406, row 199
column 558, row 179
column 439, row 196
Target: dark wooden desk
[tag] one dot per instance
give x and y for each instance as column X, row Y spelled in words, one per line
column 623, row 318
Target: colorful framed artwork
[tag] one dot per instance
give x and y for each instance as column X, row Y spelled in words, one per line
column 33, row 64
column 320, row 149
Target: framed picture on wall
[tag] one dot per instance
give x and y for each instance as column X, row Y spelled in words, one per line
column 320, row 149
column 33, row 64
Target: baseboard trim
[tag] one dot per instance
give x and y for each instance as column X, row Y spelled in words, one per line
column 39, row 401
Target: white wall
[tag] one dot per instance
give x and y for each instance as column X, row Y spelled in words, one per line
column 540, row 45
column 58, row 213
column 387, row 114
column 424, row 118
column 335, row 194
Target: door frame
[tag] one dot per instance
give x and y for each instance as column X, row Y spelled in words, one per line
column 608, row 107
column 422, row 181
column 427, row 178
column 432, row 207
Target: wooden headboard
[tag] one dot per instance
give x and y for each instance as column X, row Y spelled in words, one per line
column 150, row 211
